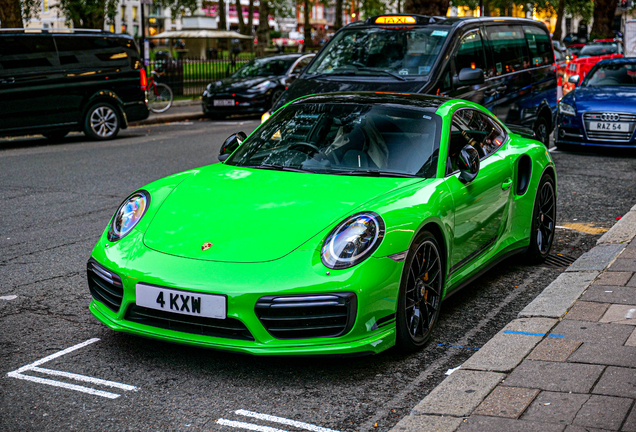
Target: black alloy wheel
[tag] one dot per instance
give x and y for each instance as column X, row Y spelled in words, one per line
column 101, row 122
column 543, row 220
column 276, row 95
column 541, row 130
column 420, row 293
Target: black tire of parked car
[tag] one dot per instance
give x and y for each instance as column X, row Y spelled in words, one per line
column 420, row 295
column 543, row 221
column 101, row 122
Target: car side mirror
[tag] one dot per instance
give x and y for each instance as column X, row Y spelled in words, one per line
column 469, row 76
column 468, row 163
column 574, row 79
column 231, row 143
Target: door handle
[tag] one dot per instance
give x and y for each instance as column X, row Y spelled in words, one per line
column 502, row 88
column 506, row 184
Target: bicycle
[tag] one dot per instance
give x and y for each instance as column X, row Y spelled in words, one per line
column 159, row 95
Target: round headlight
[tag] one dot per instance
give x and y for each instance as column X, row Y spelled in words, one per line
column 128, row 215
column 353, row 240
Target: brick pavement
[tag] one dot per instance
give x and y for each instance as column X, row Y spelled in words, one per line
column 567, row 364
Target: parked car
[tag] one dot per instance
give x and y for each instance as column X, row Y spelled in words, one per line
column 573, row 51
column 504, row 64
column 589, row 55
column 254, row 87
column 53, row 83
column 600, row 112
column 352, row 217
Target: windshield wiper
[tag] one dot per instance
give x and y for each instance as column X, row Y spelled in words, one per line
column 354, row 69
column 382, row 71
column 279, row 168
column 375, row 173
column 341, row 73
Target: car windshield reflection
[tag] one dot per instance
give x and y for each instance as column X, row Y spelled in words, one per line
column 608, row 75
column 345, row 139
column 264, row 67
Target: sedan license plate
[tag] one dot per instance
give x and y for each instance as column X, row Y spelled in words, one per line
column 181, row 302
column 609, row 126
column 223, row 102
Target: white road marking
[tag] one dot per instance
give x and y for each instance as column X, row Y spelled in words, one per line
column 85, row 378
column 248, row 426
column 450, row 371
column 34, row 367
column 9, row 297
column 567, row 228
column 630, row 313
column 284, row 421
column 54, row 383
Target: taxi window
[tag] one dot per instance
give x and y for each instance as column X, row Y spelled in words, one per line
column 408, row 52
column 470, row 53
column 541, row 53
column 509, row 49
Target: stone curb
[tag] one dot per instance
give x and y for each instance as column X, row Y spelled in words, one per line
column 166, row 118
column 447, row 405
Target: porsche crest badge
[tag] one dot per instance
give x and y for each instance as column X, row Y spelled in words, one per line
column 205, row 246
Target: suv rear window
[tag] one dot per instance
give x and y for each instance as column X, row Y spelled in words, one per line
column 90, row 51
column 407, row 52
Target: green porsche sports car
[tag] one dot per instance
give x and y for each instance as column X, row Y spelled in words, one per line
column 337, row 227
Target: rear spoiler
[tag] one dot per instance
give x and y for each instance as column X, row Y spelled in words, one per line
column 523, row 131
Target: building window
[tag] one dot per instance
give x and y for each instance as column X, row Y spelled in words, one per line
column 45, row 25
column 45, row 6
column 134, row 12
column 112, row 28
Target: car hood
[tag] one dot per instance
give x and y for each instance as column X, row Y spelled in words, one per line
column 611, row 99
column 255, row 215
column 237, row 84
column 307, row 86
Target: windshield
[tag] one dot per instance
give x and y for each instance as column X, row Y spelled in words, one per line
column 408, row 53
column 347, row 139
column 597, row 49
column 612, row 75
column 262, row 67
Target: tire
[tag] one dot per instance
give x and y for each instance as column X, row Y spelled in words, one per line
column 160, row 100
column 101, row 122
column 56, row 135
column 418, row 285
column 543, row 221
column 542, row 131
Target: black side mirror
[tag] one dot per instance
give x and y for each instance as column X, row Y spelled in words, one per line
column 231, row 143
column 469, row 76
column 468, row 162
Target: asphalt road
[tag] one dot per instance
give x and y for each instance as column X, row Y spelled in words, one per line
column 55, row 200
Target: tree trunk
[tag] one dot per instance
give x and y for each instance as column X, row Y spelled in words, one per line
column 307, row 25
column 241, row 22
column 557, row 36
column 10, row 15
column 604, row 11
column 337, row 25
column 426, row 7
column 221, row 14
column 262, row 31
column 250, row 19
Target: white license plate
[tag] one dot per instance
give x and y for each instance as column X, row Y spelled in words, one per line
column 609, row 126
column 181, row 302
column 223, row 102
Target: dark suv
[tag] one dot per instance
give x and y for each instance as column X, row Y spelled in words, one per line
column 504, row 64
column 53, row 83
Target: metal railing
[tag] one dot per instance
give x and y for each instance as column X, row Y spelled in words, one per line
column 190, row 77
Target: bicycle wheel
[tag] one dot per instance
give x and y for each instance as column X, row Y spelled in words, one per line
column 160, row 98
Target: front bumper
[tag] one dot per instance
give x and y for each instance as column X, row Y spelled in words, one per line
column 243, row 104
column 570, row 132
column 374, row 282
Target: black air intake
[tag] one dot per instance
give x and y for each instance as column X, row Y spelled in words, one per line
column 105, row 286
column 307, row 316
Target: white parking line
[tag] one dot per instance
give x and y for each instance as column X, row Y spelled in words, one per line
column 248, row 426
column 18, row 373
column 284, row 421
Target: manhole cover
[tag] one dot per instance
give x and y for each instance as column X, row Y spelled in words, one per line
column 558, row 261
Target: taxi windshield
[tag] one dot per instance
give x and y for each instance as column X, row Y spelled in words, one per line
column 345, row 139
column 598, row 49
column 617, row 74
column 407, row 53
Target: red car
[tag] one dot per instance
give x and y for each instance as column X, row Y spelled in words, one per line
column 590, row 54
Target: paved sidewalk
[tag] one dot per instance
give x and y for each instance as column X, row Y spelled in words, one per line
column 568, row 363
column 181, row 110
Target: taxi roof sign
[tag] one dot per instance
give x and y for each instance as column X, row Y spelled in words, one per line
column 395, row 19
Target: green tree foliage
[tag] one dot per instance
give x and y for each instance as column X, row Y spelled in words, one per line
column 427, row 7
column 13, row 12
column 89, row 14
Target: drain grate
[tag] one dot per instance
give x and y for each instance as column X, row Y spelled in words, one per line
column 558, row 261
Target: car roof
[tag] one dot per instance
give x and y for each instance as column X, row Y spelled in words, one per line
column 431, row 103
column 620, row 60
column 444, row 21
column 62, row 32
column 284, row 56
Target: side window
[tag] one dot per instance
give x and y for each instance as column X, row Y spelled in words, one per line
column 476, row 129
column 302, row 64
column 508, row 49
column 470, row 53
column 541, row 53
column 28, row 53
column 94, row 51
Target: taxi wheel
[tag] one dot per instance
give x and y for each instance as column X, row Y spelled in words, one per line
column 543, row 221
column 420, row 295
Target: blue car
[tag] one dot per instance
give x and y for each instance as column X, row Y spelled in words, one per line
column 601, row 111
